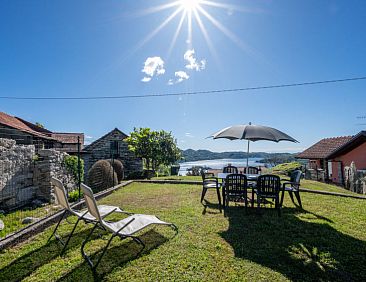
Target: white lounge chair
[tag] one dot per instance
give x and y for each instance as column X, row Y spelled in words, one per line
column 125, row 228
column 84, row 215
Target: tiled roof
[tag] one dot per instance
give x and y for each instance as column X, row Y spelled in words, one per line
column 68, row 138
column 16, row 123
column 324, row 148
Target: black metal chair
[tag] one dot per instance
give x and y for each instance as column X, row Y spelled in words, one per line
column 209, row 181
column 235, row 189
column 230, row 169
column 292, row 187
column 251, row 170
column 269, row 187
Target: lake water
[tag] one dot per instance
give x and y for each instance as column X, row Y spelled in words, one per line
column 219, row 164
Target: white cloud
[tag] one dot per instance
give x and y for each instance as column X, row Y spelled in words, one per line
column 179, row 77
column 146, row 79
column 88, row 137
column 153, row 66
column 188, row 134
column 189, row 56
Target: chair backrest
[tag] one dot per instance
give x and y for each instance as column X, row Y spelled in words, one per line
column 61, row 194
column 295, row 178
column 207, row 174
column 236, row 184
column 252, row 170
column 269, row 184
column 90, row 202
column 230, row 169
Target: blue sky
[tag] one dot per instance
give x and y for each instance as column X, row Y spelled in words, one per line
column 100, row 48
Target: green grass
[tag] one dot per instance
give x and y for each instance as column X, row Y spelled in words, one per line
column 324, row 242
column 309, row 184
column 178, row 177
column 13, row 220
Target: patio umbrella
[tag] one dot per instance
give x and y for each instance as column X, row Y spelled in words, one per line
column 253, row 133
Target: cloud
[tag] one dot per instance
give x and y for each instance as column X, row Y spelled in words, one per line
column 179, row 77
column 188, row 134
column 189, row 56
column 88, row 137
column 153, row 66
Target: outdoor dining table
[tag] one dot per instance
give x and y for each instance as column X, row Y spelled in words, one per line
column 250, row 178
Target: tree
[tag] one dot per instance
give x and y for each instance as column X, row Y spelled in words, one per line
column 155, row 147
column 40, row 125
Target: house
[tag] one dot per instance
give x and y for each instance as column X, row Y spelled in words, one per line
column 332, row 155
column 112, row 145
column 69, row 141
column 27, row 133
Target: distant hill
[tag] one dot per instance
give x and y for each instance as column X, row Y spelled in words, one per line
column 191, row 155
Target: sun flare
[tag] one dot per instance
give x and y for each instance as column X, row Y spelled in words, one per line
column 190, row 5
column 195, row 14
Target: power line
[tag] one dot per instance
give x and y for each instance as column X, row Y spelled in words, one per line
column 189, row 93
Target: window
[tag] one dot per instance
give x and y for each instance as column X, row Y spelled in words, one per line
column 114, row 149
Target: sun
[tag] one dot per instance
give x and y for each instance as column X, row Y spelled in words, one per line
column 194, row 13
column 190, row 5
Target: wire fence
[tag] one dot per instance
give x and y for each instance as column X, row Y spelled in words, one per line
column 21, row 169
column 25, row 173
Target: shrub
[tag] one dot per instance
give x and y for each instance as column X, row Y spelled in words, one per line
column 194, row 171
column 118, row 168
column 73, row 196
column 101, row 176
column 136, row 175
column 71, row 164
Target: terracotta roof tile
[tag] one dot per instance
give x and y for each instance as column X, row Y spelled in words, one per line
column 13, row 122
column 324, row 148
column 68, row 138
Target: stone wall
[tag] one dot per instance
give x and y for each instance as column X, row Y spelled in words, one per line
column 101, row 149
column 50, row 164
column 25, row 176
column 355, row 180
column 16, row 174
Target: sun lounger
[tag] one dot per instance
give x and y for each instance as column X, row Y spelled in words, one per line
column 84, row 215
column 125, row 228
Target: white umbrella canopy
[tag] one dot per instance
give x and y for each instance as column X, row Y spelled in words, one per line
column 253, row 133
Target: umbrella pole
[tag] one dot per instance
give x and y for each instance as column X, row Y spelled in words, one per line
column 248, row 155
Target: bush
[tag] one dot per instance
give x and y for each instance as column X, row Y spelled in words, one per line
column 163, row 170
column 286, row 168
column 195, row 171
column 71, row 164
column 136, row 175
column 118, row 168
column 101, row 176
column 73, row 196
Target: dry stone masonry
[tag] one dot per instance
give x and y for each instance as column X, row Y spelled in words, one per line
column 25, row 176
column 16, row 173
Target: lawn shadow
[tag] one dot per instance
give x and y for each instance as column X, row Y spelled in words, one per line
column 301, row 250
column 206, row 204
column 116, row 256
column 29, row 262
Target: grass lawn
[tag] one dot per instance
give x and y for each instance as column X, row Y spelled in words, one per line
column 324, row 242
column 309, row 184
column 13, row 220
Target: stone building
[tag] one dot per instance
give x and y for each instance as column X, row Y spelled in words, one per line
column 111, row 145
column 27, row 133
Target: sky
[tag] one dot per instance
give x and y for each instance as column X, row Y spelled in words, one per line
column 89, row 48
